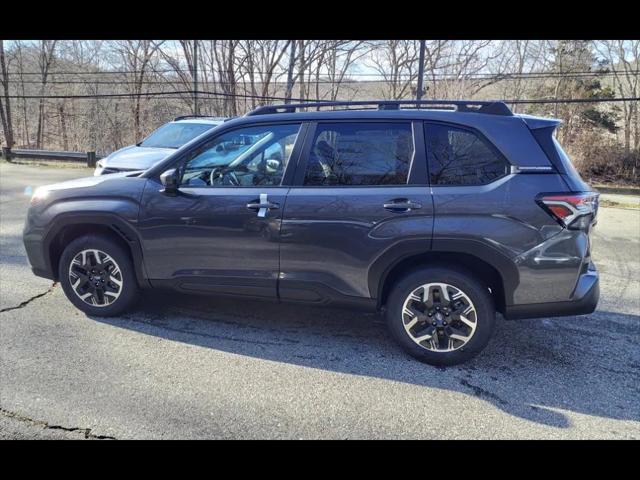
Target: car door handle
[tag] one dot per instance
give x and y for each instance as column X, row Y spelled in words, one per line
column 263, row 205
column 268, row 205
column 401, row 205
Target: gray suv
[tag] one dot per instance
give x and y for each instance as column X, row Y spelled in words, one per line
column 437, row 213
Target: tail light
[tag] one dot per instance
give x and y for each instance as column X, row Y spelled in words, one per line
column 572, row 210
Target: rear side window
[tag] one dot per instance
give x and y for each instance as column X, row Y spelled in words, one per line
column 459, row 156
column 360, row 154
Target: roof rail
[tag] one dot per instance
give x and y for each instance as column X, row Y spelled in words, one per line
column 492, row 107
column 185, row 117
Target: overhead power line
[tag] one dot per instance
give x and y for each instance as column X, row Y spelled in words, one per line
column 157, row 94
column 324, row 80
column 311, row 101
column 532, row 74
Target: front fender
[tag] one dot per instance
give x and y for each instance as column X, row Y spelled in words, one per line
column 114, row 204
column 115, row 223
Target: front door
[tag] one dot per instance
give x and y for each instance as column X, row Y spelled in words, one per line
column 220, row 233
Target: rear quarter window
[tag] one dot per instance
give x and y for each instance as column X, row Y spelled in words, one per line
column 459, row 156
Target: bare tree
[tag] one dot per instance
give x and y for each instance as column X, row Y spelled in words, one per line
column 223, row 63
column 339, row 56
column 623, row 56
column 47, row 52
column 290, row 78
column 397, row 63
column 266, row 60
column 183, row 64
column 136, row 57
column 5, row 107
column 521, row 57
column 469, row 67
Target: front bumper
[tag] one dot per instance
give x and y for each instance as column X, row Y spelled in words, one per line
column 583, row 301
column 32, row 239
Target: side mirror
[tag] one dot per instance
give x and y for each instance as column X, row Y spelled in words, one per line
column 169, row 180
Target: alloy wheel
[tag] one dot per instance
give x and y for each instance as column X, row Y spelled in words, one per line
column 95, row 277
column 439, row 317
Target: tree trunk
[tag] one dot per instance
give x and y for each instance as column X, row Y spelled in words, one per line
column 292, row 63
column 46, row 57
column 7, row 126
column 3, row 119
column 301, row 67
column 40, row 130
column 63, row 127
column 636, row 132
column 627, row 132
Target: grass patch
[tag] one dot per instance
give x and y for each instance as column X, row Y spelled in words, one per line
column 614, row 204
column 617, row 189
column 36, row 162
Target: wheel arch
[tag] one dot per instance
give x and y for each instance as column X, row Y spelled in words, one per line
column 485, row 263
column 69, row 227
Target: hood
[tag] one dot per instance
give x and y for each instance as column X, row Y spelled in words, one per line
column 84, row 182
column 136, row 158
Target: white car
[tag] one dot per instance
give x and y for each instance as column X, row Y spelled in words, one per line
column 157, row 146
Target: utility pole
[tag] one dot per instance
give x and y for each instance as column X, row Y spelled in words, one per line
column 420, row 70
column 196, row 110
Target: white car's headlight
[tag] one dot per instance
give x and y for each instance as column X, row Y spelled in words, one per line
column 99, row 168
column 40, row 194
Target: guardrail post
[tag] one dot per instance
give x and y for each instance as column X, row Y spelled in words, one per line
column 91, row 159
column 6, row 153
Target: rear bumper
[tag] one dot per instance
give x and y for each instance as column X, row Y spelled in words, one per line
column 584, row 301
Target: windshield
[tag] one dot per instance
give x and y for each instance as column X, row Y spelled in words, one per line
column 174, row 135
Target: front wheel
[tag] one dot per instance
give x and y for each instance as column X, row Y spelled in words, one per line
column 97, row 276
column 441, row 316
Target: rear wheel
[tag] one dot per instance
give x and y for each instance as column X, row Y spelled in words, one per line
column 441, row 316
column 97, row 276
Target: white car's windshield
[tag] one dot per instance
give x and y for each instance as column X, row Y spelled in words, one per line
column 174, row 135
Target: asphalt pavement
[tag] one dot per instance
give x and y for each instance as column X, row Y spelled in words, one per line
column 182, row 366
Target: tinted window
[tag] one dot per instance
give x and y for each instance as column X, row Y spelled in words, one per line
column 460, row 157
column 174, row 135
column 360, row 154
column 246, row 157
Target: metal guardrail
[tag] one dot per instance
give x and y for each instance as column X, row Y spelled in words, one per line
column 89, row 157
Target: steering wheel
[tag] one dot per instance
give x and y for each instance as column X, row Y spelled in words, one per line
column 221, row 176
column 233, row 179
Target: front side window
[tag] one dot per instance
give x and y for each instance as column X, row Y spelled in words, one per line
column 360, row 154
column 460, row 157
column 174, row 135
column 246, row 157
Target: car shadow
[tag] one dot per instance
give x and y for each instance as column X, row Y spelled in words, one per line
column 532, row 369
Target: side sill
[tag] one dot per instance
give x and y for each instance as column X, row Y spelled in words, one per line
column 322, row 296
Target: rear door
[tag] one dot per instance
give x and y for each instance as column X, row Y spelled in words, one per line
column 360, row 190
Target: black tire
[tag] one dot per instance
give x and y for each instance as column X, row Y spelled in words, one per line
column 462, row 280
column 129, row 290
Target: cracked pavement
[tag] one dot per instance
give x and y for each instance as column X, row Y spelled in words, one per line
column 196, row 367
